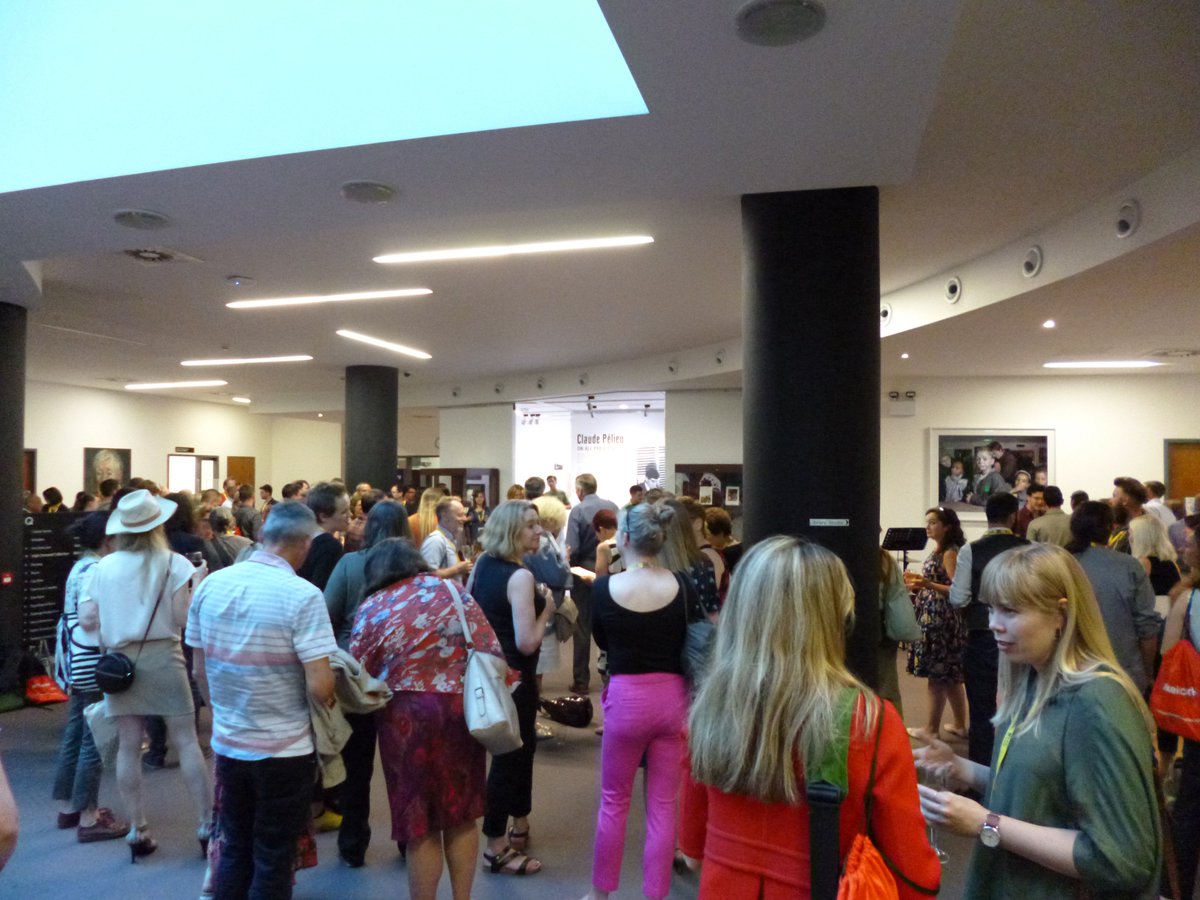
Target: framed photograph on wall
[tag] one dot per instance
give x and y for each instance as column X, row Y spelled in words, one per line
column 102, row 463
column 968, row 465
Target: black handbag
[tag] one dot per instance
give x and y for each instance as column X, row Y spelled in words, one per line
column 700, row 634
column 573, row 711
column 115, row 670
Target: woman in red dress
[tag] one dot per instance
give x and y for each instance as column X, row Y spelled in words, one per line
column 768, row 702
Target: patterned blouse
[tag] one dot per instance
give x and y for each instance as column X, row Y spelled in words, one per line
column 409, row 635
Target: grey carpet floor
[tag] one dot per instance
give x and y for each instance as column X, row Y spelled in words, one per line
column 50, row 865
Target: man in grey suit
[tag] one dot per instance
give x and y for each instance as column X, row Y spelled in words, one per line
column 581, row 551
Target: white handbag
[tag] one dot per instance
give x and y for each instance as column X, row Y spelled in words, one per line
column 487, row 701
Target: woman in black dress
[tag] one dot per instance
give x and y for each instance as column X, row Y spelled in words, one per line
column 518, row 613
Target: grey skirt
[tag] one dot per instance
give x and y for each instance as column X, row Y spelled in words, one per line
column 160, row 684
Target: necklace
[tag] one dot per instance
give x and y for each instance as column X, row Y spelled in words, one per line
column 640, row 565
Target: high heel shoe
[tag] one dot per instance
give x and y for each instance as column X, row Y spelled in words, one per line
column 203, row 834
column 140, row 843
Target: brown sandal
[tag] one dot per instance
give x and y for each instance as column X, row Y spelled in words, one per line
column 501, row 863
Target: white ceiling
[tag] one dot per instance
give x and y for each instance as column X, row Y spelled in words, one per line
column 982, row 122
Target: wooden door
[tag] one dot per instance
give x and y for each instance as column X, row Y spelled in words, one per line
column 1183, row 468
column 29, row 470
column 241, row 468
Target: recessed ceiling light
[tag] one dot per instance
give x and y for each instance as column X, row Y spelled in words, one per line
column 629, row 240
column 386, row 345
column 1049, row 323
column 165, row 385
column 239, row 280
column 142, row 219
column 777, row 23
column 328, row 298
column 320, row 415
column 1104, row 364
column 904, row 356
column 240, row 399
column 249, row 361
column 368, row 191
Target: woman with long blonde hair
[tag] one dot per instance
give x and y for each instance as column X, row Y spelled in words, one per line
column 1068, row 801
column 777, row 693
column 423, row 522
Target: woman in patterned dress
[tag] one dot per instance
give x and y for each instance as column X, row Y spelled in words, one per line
column 937, row 657
column 408, row 634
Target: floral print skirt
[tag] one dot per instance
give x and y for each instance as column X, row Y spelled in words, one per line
column 434, row 770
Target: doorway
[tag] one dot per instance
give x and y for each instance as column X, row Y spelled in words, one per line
column 1182, row 467
column 240, row 469
column 189, row 472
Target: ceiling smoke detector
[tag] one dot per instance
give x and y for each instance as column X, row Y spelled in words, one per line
column 142, row 219
column 777, row 23
column 368, row 192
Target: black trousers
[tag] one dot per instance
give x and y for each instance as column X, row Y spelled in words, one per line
column 1185, row 822
column 510, row 780
column 981, row 665
column 581, row 635
column 264, row 807
column 359, row 757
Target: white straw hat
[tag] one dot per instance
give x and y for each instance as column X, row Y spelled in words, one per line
column 140, row 511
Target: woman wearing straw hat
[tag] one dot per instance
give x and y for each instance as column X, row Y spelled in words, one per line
column 143, row 589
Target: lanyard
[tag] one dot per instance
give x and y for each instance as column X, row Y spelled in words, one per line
column 1008, row 735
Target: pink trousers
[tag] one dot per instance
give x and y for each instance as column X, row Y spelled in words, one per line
column 644, row 715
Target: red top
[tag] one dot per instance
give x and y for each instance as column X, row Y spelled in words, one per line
column 756, row 849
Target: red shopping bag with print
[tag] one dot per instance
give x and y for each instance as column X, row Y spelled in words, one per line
column 1175, row 700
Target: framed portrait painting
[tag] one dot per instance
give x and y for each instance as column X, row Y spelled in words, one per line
column 102, row 463
column 968, row 465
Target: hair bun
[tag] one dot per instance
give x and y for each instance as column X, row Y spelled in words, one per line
column 664, row 513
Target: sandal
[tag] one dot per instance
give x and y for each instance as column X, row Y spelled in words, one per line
column 960, row 733
column 502, row 863
column 518, row 840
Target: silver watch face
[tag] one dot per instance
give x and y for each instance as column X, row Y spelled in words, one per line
column 990, row 836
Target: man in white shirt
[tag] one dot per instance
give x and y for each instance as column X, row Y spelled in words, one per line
column 261, row 643
column 229, row 496
column 440, row 548
column 1155, row 505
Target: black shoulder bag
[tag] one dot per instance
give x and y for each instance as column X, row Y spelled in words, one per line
column 114, row 670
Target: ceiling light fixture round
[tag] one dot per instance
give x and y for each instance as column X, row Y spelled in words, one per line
column 368, row 192
column 239, row 280
column 778, row 23
column 141, row 219
column 1049, row 323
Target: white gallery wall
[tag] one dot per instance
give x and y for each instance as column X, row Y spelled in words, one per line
column 544, row 448
column 478, row 437
column 703, row 427
column 60, row 420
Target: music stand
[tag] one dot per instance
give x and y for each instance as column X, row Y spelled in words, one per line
column 904, row 540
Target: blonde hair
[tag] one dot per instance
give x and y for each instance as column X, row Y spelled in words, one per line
column 778, row 668
column 1039, row 577
column 679, row 551
column 552, row 513
column 427, row 510
column 500, row 532
column 1148, row 537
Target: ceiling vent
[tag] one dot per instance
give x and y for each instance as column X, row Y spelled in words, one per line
column 1174, row 353
column 777, row 23
column 157, row 256
column 368, row 192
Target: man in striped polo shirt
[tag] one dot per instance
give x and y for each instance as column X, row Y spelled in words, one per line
column 262, row 642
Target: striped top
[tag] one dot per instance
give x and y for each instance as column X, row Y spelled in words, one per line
column 80, row 648
column 258, row 623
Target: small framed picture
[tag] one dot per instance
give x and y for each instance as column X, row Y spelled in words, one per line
column 706, row 495
column 733, row 496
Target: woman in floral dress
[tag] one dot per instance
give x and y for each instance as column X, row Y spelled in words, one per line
column 937, row 657
column 408, row 634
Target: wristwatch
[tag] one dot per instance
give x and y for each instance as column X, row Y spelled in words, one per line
column 989, row 834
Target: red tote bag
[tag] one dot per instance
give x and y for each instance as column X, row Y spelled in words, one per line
column 1175, row 700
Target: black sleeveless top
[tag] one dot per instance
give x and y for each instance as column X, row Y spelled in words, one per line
column 639, row 643
column 490, row 590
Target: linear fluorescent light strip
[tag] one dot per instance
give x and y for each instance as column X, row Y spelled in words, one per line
column 386, row 345
column 1104, row 364
column 327, row 298
column 164, row 385
column 515, row 249
column 240, row 399
column 250, row 361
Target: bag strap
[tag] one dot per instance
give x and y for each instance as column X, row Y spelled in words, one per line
column 1187, row 617
column 826, row 783
column 462, row 613
column 154, row 612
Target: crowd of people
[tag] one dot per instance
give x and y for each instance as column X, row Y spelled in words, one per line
column 1043, row 630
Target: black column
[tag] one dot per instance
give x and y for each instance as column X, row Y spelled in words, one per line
column 369, row 438
column 12, row 448
column 811, row 395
